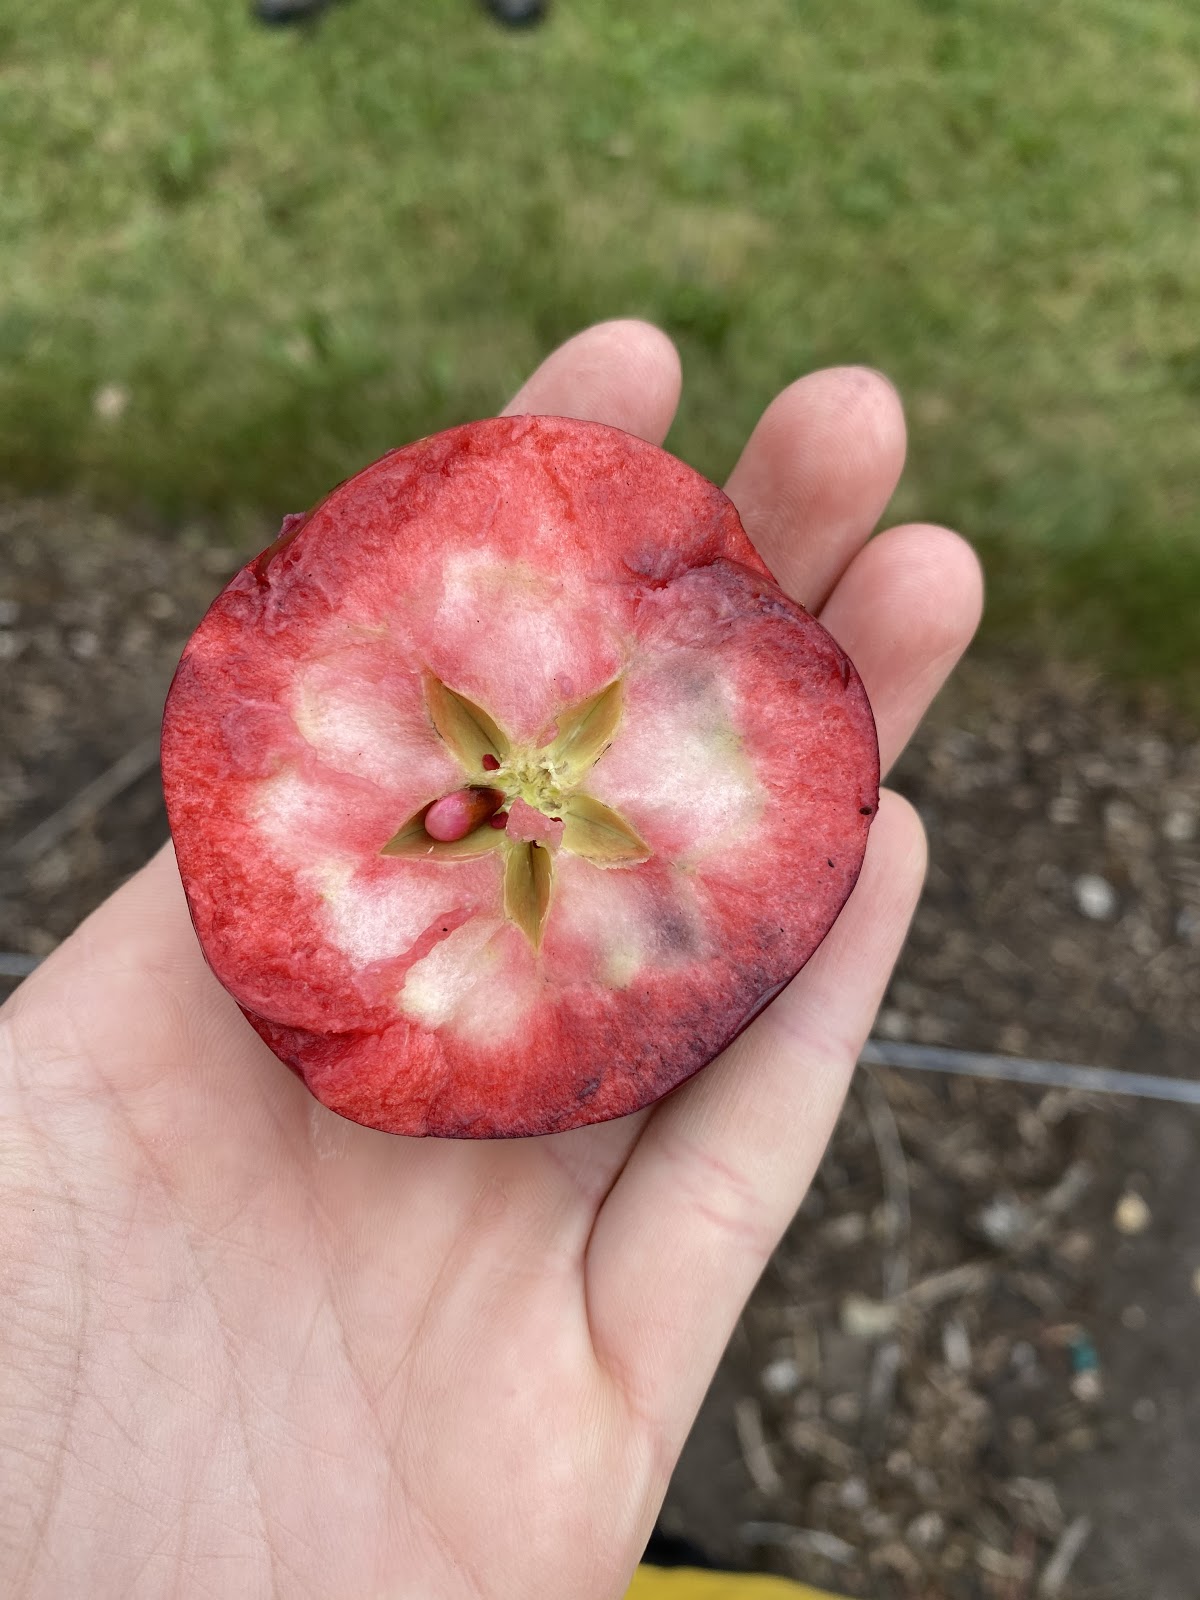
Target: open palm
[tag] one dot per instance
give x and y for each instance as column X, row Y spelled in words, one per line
column 251, row 1350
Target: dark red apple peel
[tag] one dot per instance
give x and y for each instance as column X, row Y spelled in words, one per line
column 507, row 787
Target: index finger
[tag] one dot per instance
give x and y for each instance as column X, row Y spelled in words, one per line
column 623, row 373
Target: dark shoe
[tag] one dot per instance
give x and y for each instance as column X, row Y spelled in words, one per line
column 517, row 13
column 278, row 13
column 667, row 1550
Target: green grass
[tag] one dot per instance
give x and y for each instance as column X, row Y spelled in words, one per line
column 293, row 252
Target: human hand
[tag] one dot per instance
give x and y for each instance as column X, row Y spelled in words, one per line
column 251, row 1349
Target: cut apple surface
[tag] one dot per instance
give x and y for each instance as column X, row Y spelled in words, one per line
column 507, row 786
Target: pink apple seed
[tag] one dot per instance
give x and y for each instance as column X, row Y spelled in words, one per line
column 490, row 764
column 456, row 815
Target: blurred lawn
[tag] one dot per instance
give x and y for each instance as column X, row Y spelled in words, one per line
column 295, row 251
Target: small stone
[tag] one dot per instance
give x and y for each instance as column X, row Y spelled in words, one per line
column 10, row 610
column 1003, row 1221
column 1180, row 825
column 1132, row 1215
column 160, row 607
column 843, row 1232
column 853, row 1495
column 1196, row 1283
column 51, row 871
column 1087, row 1386
column 781, row 1376
column 956, row 1346
column 110, row 402
column 926, row 1532
column 899, row 1559
column 1133, row 1318
column 85, row 645
column 11, row 645
column 1095, row 897
column 1054, row 1106
column 818, row 1542
column 1074, row 1247
column 1064, row 810
column 999, row 1564
column 863, row 1318
column 892, row 1023
column 1037, row 1504
column 1145, row 1410
column 1187, row 925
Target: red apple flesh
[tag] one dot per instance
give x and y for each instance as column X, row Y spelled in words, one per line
column 507, row 786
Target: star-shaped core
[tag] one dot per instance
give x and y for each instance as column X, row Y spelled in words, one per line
column 526, row 802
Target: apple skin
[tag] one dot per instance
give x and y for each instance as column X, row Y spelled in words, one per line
column 524, row 564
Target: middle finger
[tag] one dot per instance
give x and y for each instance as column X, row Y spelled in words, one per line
column 816, row 474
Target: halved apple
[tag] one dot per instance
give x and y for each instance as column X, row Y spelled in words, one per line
column 507, row 786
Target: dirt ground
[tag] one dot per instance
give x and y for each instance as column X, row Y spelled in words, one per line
column 971, row 1369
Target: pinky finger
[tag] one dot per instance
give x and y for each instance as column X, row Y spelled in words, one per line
column 724, row 1163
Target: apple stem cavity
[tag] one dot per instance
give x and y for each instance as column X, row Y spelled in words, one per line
column 456, row 815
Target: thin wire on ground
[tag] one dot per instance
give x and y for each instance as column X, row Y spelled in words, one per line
column 1017, row 1069
column 92, row 798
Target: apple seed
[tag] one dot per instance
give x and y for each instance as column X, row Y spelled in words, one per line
column 456, row 815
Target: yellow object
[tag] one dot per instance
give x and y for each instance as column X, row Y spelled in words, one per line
column 685, row 1583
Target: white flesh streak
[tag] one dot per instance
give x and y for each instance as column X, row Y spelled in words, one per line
column 471, row 982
